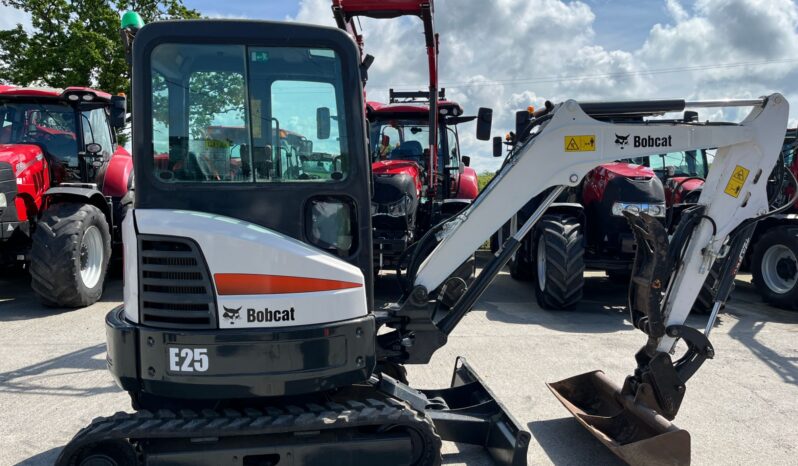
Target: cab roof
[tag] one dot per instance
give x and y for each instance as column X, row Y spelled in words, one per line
column 51, row 92
column 411, row 110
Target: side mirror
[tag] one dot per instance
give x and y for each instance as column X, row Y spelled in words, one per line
column 118, row 112
column 521, row 120
column 323, row 123
column 466, row 160
column 484, row 122
column 497, row 146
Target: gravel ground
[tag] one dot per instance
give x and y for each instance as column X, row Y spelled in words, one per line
column 740, row 408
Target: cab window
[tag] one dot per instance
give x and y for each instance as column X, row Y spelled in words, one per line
column 236, row 114
column 687, row 163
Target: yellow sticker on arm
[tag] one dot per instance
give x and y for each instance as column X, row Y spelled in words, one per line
column 582, row 143
column 737, row 180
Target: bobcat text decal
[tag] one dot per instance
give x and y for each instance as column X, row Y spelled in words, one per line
column 643, row 141
column 269, row 315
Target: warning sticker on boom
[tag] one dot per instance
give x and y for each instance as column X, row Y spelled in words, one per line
column 737, row 180
column 583, row 143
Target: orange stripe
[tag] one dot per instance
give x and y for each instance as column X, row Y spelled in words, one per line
column 245, row 283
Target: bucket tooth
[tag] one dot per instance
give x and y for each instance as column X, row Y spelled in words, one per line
column 627, row 426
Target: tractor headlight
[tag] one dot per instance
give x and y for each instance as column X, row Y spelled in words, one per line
column 3, row 201
column 394, row 209
column 655, row 210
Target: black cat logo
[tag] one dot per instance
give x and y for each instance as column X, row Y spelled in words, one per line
column 231, row 314
column 621, row 140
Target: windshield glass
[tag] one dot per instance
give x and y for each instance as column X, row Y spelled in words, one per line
column 400, row 140
column 51, row 126
column 231, row 113
column 687, row 163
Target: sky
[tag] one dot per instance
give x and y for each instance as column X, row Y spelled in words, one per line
column 509, row 54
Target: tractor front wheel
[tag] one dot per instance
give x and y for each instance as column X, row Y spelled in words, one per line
column 69, row 255
column 774, row 266
column 560, row 259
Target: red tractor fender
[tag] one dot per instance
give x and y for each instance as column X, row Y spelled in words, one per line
column 678, row 187
column 118, row 173
column 468, row 186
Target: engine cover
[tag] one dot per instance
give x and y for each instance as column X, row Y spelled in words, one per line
column 260, row 278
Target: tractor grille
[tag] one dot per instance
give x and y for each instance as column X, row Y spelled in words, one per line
column 8, row 186
column 174, row 284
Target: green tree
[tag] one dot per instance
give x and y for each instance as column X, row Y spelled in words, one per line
column 484, row 178
column 75, row 42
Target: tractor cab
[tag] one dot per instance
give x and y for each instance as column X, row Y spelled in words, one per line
column 400, row 134
column 72, row 128
column 682, row 173
column 261, row 131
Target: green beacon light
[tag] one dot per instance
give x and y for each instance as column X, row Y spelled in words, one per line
column 132, row 20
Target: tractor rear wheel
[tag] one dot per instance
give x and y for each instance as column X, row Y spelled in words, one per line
column 69, row 255
column 706, row 297
column 560, row 260
column 774, row 266
column 520, row 266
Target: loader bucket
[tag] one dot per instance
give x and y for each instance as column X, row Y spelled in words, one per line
column 630, row 429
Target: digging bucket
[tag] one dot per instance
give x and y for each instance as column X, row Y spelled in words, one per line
column 633, row 431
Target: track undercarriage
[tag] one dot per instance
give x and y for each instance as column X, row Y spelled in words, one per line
column 380, row 422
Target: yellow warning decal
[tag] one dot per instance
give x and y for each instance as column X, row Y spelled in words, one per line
column 584, row 143
column 737, row 180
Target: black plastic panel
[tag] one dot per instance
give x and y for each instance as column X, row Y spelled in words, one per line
column 8, row 186
column 175, row 289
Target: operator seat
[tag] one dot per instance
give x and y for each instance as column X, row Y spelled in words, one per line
column 408, row 150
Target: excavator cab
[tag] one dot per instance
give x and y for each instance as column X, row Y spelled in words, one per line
column 269, row 91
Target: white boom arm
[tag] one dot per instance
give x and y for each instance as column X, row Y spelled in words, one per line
column 572, row 143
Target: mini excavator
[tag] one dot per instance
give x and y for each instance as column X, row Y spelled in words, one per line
column 248, row 334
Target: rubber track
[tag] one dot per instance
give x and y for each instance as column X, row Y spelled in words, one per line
column 565, row 264
column 167, row 424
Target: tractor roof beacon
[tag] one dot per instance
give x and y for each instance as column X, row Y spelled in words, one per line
column 248, row 333
column 63, row 187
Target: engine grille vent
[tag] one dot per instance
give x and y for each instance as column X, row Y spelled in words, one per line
column 175, row 289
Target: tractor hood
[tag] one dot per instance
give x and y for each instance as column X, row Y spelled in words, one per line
column 20, row 156
column 628, row 170
column 399, row 167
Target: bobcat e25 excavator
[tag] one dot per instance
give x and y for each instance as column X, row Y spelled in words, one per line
column 248, row 334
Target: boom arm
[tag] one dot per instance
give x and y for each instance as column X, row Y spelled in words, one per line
column 564, row 145
column 545, row 161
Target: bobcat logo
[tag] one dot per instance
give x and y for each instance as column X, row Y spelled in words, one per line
column 621, row 140
column 231, row 314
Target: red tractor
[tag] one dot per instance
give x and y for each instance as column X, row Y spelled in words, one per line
column 64, row 188
column 404, row 206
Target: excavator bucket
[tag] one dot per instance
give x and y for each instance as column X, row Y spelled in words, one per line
column 625, row 424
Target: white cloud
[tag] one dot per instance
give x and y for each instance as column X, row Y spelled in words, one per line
column 10, row 17
column 508, row 54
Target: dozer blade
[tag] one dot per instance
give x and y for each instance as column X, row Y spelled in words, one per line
column 626, row 425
